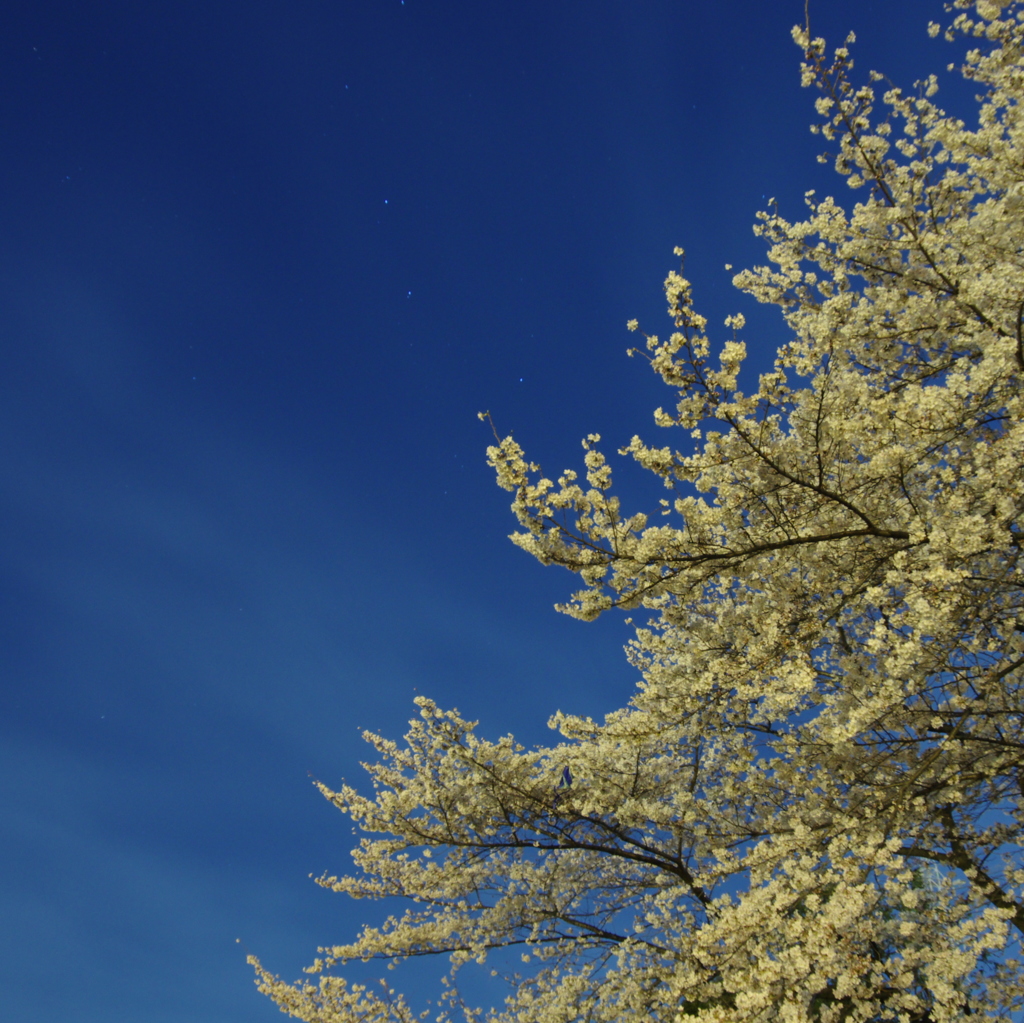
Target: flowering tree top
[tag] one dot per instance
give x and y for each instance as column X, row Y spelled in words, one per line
column 812, row 807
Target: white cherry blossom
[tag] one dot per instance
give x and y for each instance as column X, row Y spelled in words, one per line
column 812, row 807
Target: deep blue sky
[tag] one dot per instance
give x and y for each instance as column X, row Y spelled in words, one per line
column 261, row 264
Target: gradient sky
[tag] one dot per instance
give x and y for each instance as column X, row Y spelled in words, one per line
column 261, row 264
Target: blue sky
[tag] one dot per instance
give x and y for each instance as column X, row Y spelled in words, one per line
column 260, row 266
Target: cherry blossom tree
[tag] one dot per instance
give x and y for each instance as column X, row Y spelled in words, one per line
column 812, row 807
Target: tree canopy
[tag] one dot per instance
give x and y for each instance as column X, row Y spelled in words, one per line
column 812, row 807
